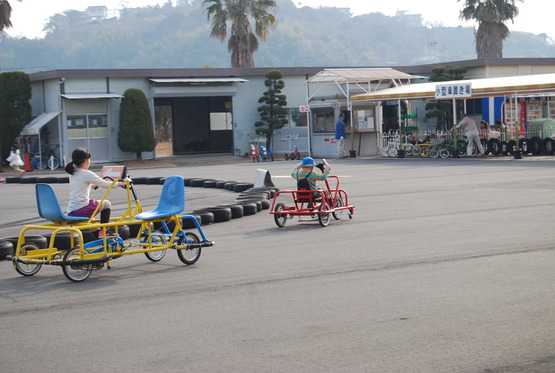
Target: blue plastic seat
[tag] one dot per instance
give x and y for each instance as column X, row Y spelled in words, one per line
column 172, row 200
column 49, row 206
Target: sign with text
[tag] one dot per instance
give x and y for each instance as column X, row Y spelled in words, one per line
column 304, row 109
column 454, row 90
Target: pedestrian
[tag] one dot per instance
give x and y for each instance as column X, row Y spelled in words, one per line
column 340, row 136
column 15, row 160
column 469, row 126
column 81, row 179
column 484, row 129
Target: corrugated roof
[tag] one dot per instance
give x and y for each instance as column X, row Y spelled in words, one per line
column 89, row 96
column 34, row 126
column 200, row 80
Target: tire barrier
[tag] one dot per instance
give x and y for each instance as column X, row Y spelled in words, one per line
column 6, row 248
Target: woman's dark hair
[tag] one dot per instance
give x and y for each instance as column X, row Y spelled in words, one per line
column 78, row 156
column 15, row 147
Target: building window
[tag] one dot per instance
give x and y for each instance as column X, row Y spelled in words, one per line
column 323, row 120
column 295, row 118
column 83, row 126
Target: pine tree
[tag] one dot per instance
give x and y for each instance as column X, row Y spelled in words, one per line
column 136, row 133
column 273, row 114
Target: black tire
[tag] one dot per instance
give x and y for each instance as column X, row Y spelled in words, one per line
column 63, row 180
column 494, row 146
column 162, row 180
column 220, row 184
column 88, row 235
column 187, row 181
column 257, row 193
column 29, row 180
column 158, row 226
column 210, row 184
column 62, row 241
column 535, row 145
column 40, row 241
column 549, row 146
column 256, row 202
column 504, row 148
column 27, row 269
column 76, row 273
column 524, row 145
column 206, row 218
column 240, row 187
column 189, row 256
column 189, row 223
column 271, row 190
column 236, row 210
column 221, row 214
column 152, row 180
column 139, row 180
column 195, row 183
column 229, row 185
column 252, row 196
column 249, row 208
column 12, row 180
column 123, row 231
column 511, row 147
column 280, row 219
column 484, row 143
column 6, row 248
column 47, row 180
column 134, row 230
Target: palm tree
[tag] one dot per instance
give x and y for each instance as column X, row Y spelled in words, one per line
column 5, row 14
column 492, row 31
column 243, row 42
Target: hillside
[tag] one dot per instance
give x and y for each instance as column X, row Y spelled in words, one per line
column 179, row 37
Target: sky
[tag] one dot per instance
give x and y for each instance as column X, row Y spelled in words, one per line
column 30, row 16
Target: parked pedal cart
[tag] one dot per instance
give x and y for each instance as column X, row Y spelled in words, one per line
column 312, row 205
column 81, row 259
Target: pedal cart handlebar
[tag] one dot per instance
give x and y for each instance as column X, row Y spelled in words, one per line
column 311, row 205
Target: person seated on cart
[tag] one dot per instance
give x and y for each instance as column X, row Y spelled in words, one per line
column 307, row 177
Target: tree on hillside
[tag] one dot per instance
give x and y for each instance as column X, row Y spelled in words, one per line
column 135, row 123
column 491, row 16
column 443, row 109
column 272, row 112
column 240, row 13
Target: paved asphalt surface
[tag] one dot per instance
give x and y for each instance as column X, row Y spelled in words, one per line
column 446, row 266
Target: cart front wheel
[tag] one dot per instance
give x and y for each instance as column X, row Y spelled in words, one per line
column 27, row 269
column 280, row 219
column 191, row 255
column 76, row 272
column 324, row 217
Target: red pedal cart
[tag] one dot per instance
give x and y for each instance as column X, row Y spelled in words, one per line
column 312, row 205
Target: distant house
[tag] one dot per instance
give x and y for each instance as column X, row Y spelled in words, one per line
column 96, row 12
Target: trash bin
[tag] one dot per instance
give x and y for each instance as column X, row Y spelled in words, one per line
column 542, row 128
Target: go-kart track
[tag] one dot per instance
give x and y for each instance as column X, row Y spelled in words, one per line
column 445, row 266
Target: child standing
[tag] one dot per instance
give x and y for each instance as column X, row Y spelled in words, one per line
column 15, row 160
column 81, row 179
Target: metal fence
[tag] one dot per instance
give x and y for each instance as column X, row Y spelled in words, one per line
column 287, row 144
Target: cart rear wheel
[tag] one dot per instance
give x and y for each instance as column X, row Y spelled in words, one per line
column 280, row 219
column 157, row 238
column 76, row 272
column 444, row 153
column 27, row 269
column 338, row 213
column 191, row 255
column 324, row 218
